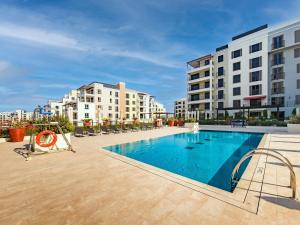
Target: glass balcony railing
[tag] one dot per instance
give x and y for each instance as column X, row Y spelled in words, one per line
column 278, row 76
column 277, row 90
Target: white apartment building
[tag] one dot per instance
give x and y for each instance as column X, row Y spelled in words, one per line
column 180, row 108
column 256, row 68
column 18, row 115
column 99, row 101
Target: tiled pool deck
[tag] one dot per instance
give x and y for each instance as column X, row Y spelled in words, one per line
column 94, row 186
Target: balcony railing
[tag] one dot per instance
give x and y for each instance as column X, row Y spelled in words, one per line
column 278, row 62
column 278, row 76
column 278, row 45
column 277, row 90
column 199, row 88
column 198, row 77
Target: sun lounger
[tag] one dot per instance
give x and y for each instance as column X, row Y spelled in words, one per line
column 91, row 132
column 106, row 131
column 79, row 132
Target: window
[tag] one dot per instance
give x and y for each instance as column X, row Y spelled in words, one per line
column 278, row 59
column 127, row 116
column 297, row 99
column 86, row 115
column 298, row 84
column 277, row 101
column 117, row 116
column 297, row 36
column 194, row 87
column 206, row 62
column 110, row 107
column 236, row 66
column 278, row 42
column 255, row 76
column 236, row 91
column 99, row 99
column 220, row 105
column 220, row 83
column 110, row 100
column 127, row 95
column 127, row 102
column 255, row 62
column 236, row 78
column 206, row 95
column 110, row 93
column 116, row 101
column 236, row 103
column 255, row 102
column 109, row 115
column 255, row 48
column 296, row 52
column 127, row 109
column 99, row 91
column 116, row 108
column 207, row 106
column 236, row 53
column 298, row 68
column 86, row 106
column 220, row 94
column 133, row 109
column 206, row 84
column 194, row 97
column 194, row 76
column 133, row 102
column 206, row 73
column 116, row 94
column 255, row 89
column 220, row 71
column 277, row 73
column 220, row 58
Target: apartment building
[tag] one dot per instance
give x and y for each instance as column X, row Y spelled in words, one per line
column 180, row 107
column 256, row 68
column 99, row 101
column 200, row 85
column 18, row 115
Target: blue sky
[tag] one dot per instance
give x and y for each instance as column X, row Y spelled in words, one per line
column 49, row 47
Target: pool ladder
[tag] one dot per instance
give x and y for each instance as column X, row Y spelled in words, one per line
column 272, row 153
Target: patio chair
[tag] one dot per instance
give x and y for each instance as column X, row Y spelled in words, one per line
column 116, row 130
column 79, row 132
column 134, row 129
column 106, row 130
column 91, row 132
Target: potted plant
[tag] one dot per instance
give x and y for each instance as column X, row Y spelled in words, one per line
column 87, row 122
column 171, row 122
column 17, row 132
column 180, row 122
column 294, row 124
column 175, row 122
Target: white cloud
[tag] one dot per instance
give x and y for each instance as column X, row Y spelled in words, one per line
column 37, row 35
column 57, row 86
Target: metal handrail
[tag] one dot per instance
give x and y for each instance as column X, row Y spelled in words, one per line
column 286, row 163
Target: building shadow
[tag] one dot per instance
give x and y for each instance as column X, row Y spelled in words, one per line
column 284, row 202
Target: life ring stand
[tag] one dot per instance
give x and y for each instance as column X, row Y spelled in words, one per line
column 43, row 133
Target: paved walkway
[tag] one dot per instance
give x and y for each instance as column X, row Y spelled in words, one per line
column 93, row 187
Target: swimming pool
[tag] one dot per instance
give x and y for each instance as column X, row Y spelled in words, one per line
column 205, row 156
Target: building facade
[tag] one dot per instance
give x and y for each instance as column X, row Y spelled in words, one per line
column 180, row 108
column 100, row 101
column 256, row 68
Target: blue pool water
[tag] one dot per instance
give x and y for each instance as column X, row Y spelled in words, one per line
column 205, row 156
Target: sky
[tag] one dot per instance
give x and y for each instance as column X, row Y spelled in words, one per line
column 49, row 47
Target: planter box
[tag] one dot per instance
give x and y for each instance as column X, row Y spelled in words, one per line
column 293, row 128
column 192, row 126
column 60, row 144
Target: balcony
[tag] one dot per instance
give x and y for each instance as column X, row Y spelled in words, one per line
column 278, row 76
column 254, row 92
column 200, row 88
column 277, row 90
column 278, row 45
column 278, row 62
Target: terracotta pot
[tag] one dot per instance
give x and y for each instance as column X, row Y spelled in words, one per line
column 175, row 123
column 171, row 123
column 180, row 123
column 87, row 124
column 16, row 134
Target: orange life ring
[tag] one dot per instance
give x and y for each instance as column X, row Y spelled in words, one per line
column 43, row 133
